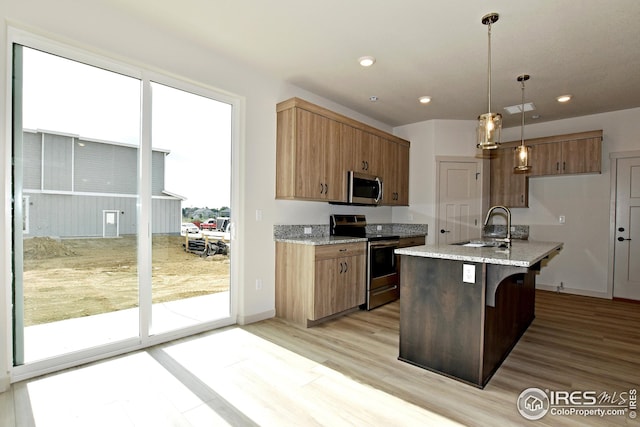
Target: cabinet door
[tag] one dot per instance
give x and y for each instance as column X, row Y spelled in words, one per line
column 545, row 159
column 402, row 175
column 395, row 176
column 350, row 288
column 339, row 285
column 325, row 289
column 507, row 187
column 368, row 154
column 353, row 285
column 351, row 139
column 335, row 172
column 311, row 137
column 582, row 156
column 389, row 174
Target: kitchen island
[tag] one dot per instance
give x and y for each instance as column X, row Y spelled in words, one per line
column 463, row 308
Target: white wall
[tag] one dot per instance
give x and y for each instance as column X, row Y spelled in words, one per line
column 105, row 29
column 582, row 199
column 428, row 140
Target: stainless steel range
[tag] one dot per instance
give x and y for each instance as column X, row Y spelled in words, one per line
column 383, row 280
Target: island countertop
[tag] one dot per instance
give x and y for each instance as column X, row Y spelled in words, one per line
column 523, row 253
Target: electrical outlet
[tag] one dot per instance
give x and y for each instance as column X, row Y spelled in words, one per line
column 379, row 228
column 308, row 230
column 258, row 284
column 561, row 219
column 468, row 273
column 258, row 215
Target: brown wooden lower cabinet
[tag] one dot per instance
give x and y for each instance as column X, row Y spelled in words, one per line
column 318, row 282
column 462, row 330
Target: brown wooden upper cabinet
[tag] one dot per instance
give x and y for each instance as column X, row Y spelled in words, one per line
column 574, row 156
column 315, row 148
column 574, row 153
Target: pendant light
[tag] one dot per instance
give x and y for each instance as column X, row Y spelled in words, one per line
column 522, row 152
column 489, row 124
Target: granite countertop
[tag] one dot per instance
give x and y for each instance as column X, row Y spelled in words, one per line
column 321, row 240
column 332, row 240
column 523, row 253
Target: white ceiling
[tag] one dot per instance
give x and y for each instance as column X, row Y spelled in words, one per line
column 587, row 48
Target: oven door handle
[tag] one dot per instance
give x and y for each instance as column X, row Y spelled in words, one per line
column 376, row 245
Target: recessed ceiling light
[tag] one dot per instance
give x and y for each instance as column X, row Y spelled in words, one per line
column 424, row 99
column 373, row 98
column 564, row 98
column 366, row 61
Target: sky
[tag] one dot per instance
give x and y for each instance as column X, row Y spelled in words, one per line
column 66, row 96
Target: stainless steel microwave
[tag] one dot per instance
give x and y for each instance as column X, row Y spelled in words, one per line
column 364, row 189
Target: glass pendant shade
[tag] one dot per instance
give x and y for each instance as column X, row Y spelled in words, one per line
column 522, row 158
column 523, row 153
column 489, row 127
column 489, row 124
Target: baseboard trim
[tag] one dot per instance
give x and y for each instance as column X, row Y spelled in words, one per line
column 245, row 320
column 573, row 291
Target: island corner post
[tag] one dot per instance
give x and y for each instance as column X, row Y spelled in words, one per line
column 459, row 329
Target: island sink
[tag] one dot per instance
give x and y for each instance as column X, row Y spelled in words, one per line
column 482, row 244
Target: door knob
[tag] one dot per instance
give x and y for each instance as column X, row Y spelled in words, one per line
column 444, row 231
column 622, row 239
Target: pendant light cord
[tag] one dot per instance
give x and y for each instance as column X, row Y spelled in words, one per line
column 489, row 71
column 522, row 128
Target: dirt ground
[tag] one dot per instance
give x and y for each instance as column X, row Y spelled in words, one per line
column 68, row 278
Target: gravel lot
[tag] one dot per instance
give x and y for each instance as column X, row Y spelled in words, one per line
column 68, row 278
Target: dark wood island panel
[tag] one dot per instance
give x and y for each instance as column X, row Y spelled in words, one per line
column 458, row 329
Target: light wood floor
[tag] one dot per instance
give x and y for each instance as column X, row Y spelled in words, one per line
column 344, row 372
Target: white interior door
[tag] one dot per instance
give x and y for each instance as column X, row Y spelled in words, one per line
column 626, row 275
column 459, row 201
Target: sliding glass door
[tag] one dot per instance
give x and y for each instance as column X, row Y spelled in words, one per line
column 108, row 248
column 76, row 143
column 191, row 270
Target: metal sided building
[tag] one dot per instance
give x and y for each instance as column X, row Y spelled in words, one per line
column 81, row 187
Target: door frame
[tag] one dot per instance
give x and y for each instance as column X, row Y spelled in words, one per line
column 483, row 167
column 613, row 173
column 116, row 216
column 237, row 204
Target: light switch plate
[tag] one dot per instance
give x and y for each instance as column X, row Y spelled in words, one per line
column 468, row 273
column 307, row 230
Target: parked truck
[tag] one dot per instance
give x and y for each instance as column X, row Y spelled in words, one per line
column 210, row 224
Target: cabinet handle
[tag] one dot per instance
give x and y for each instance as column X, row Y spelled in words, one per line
column 343, row 250
column 341, row 267
column 346, row 267
column 522, row 198
column 363, row 166
column 557, row 166
column 321, row 188
column 367, row 163
column 564, row 165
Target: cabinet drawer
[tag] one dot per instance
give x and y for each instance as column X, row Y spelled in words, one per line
column 336, row 251
column 411, row 241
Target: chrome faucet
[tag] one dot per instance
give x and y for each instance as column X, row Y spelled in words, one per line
column 507, row 238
